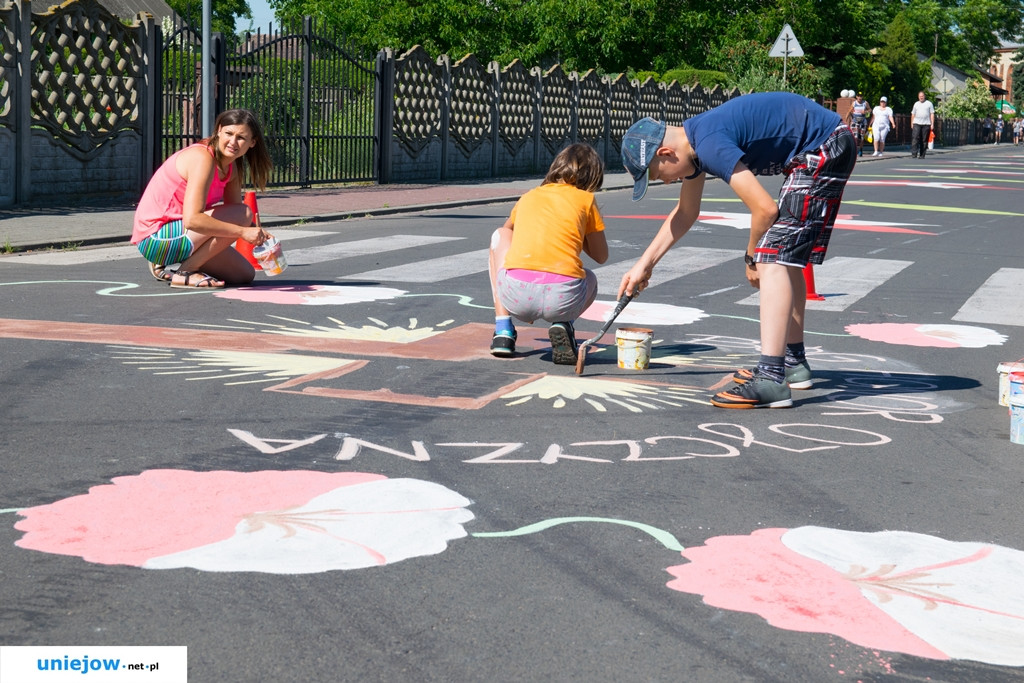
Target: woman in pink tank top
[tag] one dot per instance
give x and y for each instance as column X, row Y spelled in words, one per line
column 192, row 211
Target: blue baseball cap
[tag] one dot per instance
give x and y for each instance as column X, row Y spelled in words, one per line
column 639, row 144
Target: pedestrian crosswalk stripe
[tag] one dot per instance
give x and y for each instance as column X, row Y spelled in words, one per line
column 119, row 253
column 678, row 262
column 994, row 301
column 844, row 280
column 377, row 245
column 429, row 270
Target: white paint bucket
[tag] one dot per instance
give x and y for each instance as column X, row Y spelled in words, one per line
column 1004, row 379
column 1015, row 394
column 634, row 345
column 1017, row 419
column 270, row 256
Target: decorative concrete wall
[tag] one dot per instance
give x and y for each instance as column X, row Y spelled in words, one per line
column 76, row 113
column 469, row 120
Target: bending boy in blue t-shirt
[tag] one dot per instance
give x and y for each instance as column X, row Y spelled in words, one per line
column 752, row 135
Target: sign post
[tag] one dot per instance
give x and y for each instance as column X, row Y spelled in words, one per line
column 786, row 45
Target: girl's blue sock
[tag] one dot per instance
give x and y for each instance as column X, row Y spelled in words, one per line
column 503, row 325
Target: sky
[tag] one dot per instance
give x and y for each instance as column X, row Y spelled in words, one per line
column 262, row 15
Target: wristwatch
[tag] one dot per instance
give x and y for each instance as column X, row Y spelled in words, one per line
column 749, row 260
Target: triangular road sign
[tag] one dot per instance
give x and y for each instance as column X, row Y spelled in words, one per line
column 786, row 45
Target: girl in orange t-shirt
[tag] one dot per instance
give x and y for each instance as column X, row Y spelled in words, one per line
column 535, row 266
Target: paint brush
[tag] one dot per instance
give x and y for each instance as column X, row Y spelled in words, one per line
column 582, row 353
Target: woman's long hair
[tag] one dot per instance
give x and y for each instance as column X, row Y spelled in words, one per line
column 256, row 164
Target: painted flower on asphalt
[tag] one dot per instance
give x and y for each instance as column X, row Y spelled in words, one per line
column 282, row 522
column 893, row 590
column 642, row 313
column 938, row 336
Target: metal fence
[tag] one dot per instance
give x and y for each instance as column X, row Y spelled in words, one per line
column 315, row 96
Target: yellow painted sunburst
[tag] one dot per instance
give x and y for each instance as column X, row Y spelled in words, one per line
column 256, row 368
column 599, row 394
column 378, row 331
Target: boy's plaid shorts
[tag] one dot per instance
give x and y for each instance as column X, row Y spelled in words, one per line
column 809, row 203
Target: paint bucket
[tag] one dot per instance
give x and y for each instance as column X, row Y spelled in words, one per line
column 1017, row 419
column 634, row 345
column 1004, row 370
column 271, row 257
column 1015, row 394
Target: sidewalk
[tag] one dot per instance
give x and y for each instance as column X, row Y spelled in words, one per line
column 57, row 227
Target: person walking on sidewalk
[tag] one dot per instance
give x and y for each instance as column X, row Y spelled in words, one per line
column 191, row 212
column 999, row 130
column 923, row 119
column 882, row 121
column 535, row 267
column 986, row 129
column 859, row 114
column 756, row 134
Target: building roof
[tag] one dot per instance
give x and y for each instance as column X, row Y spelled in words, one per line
column 127, row 9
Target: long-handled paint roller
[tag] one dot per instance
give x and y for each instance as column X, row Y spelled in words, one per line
column 582, row 354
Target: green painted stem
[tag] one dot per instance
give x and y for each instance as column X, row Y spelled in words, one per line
column 663, row 537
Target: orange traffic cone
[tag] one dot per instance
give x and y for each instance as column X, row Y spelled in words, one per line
column 243, row 247
column 812, row 295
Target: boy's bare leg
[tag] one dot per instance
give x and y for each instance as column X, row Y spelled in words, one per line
column 779, row 287
column 795, row 334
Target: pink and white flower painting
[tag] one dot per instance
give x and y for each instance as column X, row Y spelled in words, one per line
column 280, row 522
column 937, row 336
column 642, row 313
column 892, row 590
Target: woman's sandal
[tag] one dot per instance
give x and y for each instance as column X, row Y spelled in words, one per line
column 202, row 281
column 161, row 273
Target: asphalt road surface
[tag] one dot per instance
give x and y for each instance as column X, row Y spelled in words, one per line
column 326, row 476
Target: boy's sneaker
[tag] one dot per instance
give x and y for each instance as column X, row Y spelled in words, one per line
column 797, row 377
column 503, row 345
column 759, row 392
column 564, row 350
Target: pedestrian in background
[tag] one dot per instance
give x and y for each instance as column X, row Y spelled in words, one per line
column 923, row 119
column 1018, row 125
column 859, row 115
column 986, row 129
column 757, row 134
column 882, row 121
column 535, row 267
column 999, row 130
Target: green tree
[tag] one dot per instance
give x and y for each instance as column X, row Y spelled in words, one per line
column 907, row 74
column 1018, row 87
column 617, row 36
column 963, row 33
column 973, row 102
column 749, row 64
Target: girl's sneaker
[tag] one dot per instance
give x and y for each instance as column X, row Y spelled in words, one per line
column 564, row 349
column 503, row 345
